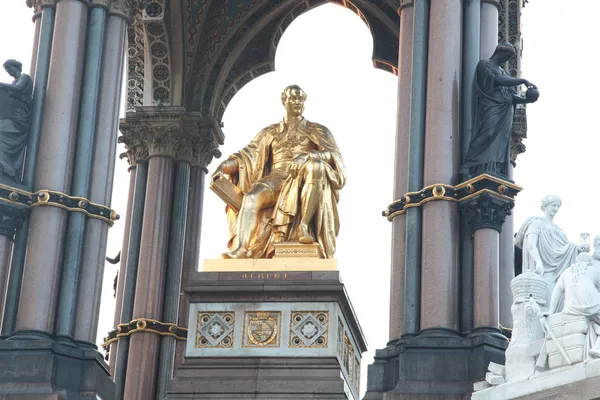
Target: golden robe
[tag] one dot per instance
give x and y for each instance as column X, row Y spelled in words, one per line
column 278, row 223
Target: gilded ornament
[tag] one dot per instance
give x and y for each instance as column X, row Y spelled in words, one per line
column 262, row 328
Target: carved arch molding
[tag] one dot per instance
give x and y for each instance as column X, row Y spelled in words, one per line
column 200, row 53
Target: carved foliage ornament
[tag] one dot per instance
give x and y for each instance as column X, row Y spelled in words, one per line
column 122, row 8
column 173, row 134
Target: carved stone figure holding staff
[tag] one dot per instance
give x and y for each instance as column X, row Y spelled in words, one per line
column 290, row 176
column 15, row 112
column 495, row 101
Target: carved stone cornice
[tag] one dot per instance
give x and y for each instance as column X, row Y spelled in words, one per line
column 37, row 5
column 518, row 133
column 171, row 132
column 121, row 8
column 126, row 8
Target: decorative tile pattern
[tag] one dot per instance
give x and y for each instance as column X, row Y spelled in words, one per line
column 215, row 329
column 262, row 329
column 309, row 329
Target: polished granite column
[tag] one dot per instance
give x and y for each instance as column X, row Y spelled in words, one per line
column 47, row 225
column 401, row 171
column 101, row 180
column 439, row 282
column 489, row 27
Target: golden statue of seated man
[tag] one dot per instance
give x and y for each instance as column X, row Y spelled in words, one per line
column 290, row 176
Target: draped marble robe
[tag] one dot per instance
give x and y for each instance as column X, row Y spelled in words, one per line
column 279, row 223
column 555, row 250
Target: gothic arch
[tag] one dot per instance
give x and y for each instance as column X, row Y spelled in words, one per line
column 240, row 46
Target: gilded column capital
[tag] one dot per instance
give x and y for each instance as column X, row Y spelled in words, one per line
column 170, row 132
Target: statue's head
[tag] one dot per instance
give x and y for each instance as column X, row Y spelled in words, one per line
column 504, row 52
column 13, row 67
column 551, row 204
column 293, row 98
column 596, row 253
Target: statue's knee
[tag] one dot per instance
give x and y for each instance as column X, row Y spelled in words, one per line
column 314, row 169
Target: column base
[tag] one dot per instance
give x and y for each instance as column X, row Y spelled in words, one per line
column 434, row 365
column 44, row 368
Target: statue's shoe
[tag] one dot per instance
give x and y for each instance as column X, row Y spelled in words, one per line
column 304, row 236
column 238, row 253
column 595, row 352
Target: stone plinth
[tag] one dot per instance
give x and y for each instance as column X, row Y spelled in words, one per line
column 274, row 334
column 270, row 265
column 45, row 369
column 434, row 365
column 579, row 382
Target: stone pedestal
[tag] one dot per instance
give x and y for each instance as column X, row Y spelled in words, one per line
column 269, row 335
column 45, row 369
column 433, row 365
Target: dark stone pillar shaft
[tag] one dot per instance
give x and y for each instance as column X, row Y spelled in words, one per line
column 412, row 268
column 142, row 363
column 439, row 282
column 174, row 273
column 123, row 266
column 5, row 248
column 191, row 255
column 37, row 20
column 101, row 180
column 54, row 169
column 84, row 153
column 400, row 171
column 121, row 348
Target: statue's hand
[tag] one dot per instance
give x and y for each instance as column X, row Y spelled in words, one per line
column 529, row 84
column 297, row 163
column 217, row 174
column 584, row 248
column 539, row 268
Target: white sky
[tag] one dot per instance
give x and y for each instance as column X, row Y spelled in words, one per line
column 327, row 51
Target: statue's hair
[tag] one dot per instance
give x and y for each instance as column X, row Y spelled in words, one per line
column 505, row 47
column 13, row 63
column 551, row 198
column 287, row 90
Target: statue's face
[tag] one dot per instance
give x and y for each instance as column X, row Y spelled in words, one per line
column 11, row 70
column 552, row 208
column 294, row 102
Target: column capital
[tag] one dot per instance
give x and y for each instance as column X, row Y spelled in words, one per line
column 170, row 132
column 124, row 8
column 487, row 211
column 37, row 5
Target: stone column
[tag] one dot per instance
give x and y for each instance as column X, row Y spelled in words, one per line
column 486, row 282
column 400, row 171
column 8, row 224
column 489, row 27
column 442, row 138
column 101, row 180
column 54, row 169
column 122, row 266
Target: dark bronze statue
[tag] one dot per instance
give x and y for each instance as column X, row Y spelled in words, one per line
column 495, row 101
column 15, row 113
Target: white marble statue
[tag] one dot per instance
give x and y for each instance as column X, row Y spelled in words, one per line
column 546, row 249
column 578, row 322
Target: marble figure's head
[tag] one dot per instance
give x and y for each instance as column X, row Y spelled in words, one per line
column 504, row 52
column 596, row 253
column 293, row 98
column 13, row 67
column 551, row 204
